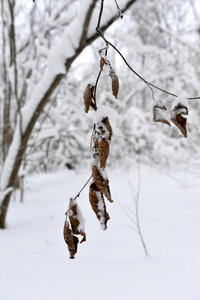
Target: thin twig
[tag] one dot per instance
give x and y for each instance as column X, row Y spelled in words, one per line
column 117, row 6
column 95, row 89
column 83, row 188
column 132, row 228
column 126, row 211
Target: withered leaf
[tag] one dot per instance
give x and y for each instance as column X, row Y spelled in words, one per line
column 115, row 86
column 70, row 239
column 101, row 64
column 75, row 219
column 87, row 96
column 178, row 119
column 103, row 152
column 158, row 117
column 98, row 205
column 115, row 82
column 101, row 183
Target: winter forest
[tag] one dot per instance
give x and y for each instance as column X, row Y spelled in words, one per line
column 99, row 149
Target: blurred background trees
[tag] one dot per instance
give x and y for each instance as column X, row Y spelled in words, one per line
column 39, row 44
column 160, row 40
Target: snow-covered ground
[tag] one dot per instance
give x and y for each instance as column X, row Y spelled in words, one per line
column 111, row 264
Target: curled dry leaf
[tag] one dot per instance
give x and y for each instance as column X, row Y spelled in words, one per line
column 70, row 239
column 159, row 116
column 101, row 183
column 87, row 96
column 103, row 152
column 115, row 82
column 115, row 86
column 98, row 205
column 76, row 219
column 178, row 120
column 102, row 63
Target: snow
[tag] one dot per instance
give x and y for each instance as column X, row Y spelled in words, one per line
column 101, row 213
column 181, row 99
column 34, row 258
column 79, row 216
column 58, row 55
column 102, row 112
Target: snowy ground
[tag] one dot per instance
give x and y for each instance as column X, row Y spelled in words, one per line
column 34, row 259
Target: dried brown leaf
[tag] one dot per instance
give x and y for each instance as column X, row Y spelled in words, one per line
column 70, row 239
column 115, row 86
column 115, row 82
column 101, row 183
column 75, row 219
column 98, row 205
column 157, row 118
column 87, row 96
column 178, row 119
column 103, row 152
column 101, row 64
column 104, row 61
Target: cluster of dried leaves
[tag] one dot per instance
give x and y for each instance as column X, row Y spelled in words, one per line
column 89, row 94
column 102, row 134
column 175, row 116
column 99, row 188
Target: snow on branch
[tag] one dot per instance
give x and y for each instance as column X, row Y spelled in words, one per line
column 60, row 59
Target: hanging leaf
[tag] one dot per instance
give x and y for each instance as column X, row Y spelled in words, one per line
column 101, row 182
column 70, row 239
column 115, row 82
column 76, row 219
column 87, row 96
column 102, row 62
column 103, row 152
column 178, row 119
column 159, row 116
column 98, row 205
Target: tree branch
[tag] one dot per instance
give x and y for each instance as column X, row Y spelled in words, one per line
column 86, row 23
column 149, row 84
